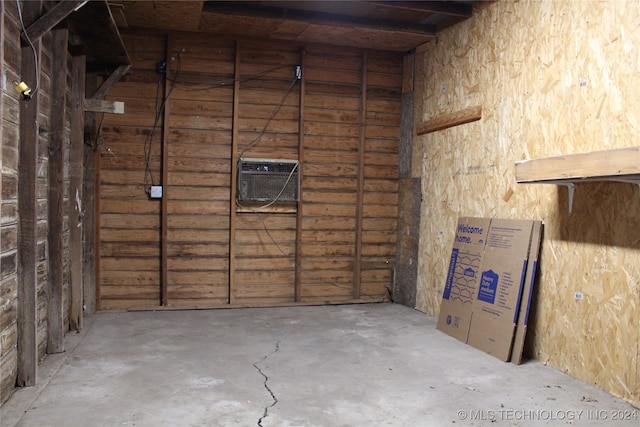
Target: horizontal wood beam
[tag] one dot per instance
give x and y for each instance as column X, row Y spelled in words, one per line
column 315, row 17
column 449, row 120
column 102, row 106
column 53, row 17
column 441, row 7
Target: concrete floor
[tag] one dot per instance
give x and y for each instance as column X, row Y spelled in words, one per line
column 356, row 365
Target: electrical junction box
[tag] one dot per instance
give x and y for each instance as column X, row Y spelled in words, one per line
column 156, row 192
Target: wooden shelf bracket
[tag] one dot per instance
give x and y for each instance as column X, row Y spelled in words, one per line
column 615, row 165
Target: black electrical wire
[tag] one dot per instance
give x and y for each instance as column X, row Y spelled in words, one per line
column 159, row 110
column 255, row 141
column 148, row 173
column 197, row 86
column 33, row 48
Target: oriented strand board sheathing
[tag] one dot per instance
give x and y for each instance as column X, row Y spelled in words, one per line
column 553, row 78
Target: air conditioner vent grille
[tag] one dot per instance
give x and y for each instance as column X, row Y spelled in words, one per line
column 267, row 181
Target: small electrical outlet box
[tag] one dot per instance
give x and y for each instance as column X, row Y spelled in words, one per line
column 156, row 192
column 162, row 66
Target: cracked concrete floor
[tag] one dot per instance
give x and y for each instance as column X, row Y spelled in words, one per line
column 352, row 365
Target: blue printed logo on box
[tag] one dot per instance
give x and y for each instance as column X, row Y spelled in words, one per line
column 450, row 274
column 488, row 287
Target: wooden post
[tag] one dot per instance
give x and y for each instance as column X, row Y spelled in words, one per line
column 27, row 211
column 164, row 217
column 76, row 149
column 55, row 216
column 234, row 177
column 90, row 201
column 96, row 212
column 298, row 259
column 1, row 94
column 360, row 189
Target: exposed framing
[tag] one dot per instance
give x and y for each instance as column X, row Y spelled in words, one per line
column 234, row 176
column 90, row 200
column 299, row 216
column 27, row 211
column 360, row 188
column 55, row 216
column 53, row 17
column 76, row 196
column 164, row 204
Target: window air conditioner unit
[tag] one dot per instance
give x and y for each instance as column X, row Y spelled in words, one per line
column 267, row 181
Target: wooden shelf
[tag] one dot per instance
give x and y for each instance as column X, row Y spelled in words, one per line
column 620, row 165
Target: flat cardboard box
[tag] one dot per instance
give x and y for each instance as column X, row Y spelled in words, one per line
column 496, row 304
column 462, row 277
column 527, row 291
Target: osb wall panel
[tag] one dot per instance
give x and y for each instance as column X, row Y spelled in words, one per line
column 552, row 77
column 199, row 166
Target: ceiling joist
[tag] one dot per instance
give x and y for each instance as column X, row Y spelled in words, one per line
column 315, row 17
column 461, row 10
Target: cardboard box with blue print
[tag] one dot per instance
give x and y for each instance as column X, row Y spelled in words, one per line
column 500, row 290
column 461, row 283
column 485, row 290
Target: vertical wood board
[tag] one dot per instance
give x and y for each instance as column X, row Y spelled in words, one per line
column 55, row 216
column 76, row 196
column 27, row 210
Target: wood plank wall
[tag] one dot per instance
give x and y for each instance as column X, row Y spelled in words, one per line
column 19, row 359
column 10, row 39
column 129, row 221
column 265, row 242
column 202, row 128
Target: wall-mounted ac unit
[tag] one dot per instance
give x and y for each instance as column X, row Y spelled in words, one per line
column 267, row 181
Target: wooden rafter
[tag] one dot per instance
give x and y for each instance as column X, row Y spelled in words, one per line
column 316, row 17
column 441, row 7
column 53, row 17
